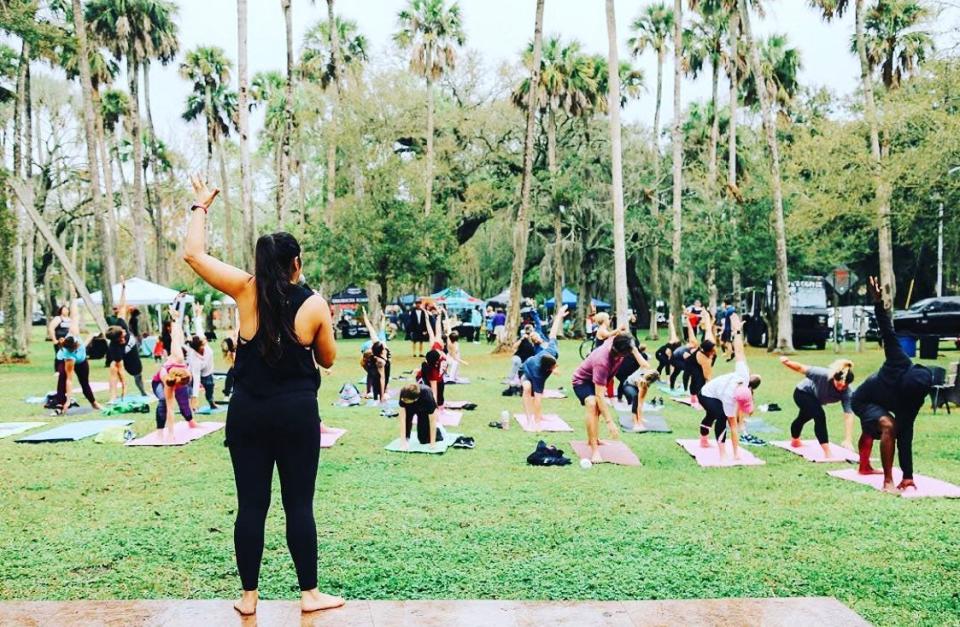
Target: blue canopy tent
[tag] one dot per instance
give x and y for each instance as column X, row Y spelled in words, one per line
column 570, row 300
column 456, row 299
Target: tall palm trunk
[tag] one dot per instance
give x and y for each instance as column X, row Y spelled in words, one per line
column 109, row 216
column 332, row 125
column 16, row 305
column 655, row 204
column 428, row 193
column 713, row 192
column 732, row 194
column 137, row 209
column 208, row 114
column 881, row 188
column 521, row 230
column 285, row 161
column 676, row 306
column 557, row 216
column 784, row 331
column 227, row 207
column 243, row 113
column 616, row 191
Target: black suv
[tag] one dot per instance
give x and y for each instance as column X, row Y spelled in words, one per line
column 934, row 316
column 808, row 309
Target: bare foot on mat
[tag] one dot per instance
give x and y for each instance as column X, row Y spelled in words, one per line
column 314, row 601
column 247, row 605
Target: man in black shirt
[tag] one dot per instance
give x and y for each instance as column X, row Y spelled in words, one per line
column 888, row 401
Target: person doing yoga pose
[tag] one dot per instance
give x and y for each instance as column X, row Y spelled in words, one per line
column 888, row 401
column 172, row 383
column 417, row 401
column 273, row 418
column 698, row 364
column 727, row 398
column 537, row 369
column 58, row 329
column 821, row 386
column 71, row 358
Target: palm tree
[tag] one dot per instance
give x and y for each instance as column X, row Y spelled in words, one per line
column 616, row 187
column 780, row 65
column 284, row 170
column 652, row 30
column 569, row 84
column 892, row 41
column 208, row 68
column 329, row 48
column 243, row 128
column 784, row 333
column 82, row 58
column 432, row 32
column 125, row 27
column 267, row 90
column 677, row 139
column 836, row 8
column 521, row 229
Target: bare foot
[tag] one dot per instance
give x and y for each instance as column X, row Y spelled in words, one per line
column 869, row 470
column 247, row 605
column 890, row 488
column 595, row 458
column 193, row 424
column 704, row 442
column 97, row 406
column 637, row 428
column 314, row 601
column 847, row 444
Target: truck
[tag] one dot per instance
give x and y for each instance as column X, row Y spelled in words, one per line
column 808, row 309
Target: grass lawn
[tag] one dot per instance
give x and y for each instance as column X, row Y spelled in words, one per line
column 101, row 521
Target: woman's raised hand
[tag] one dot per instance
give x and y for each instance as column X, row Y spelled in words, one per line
column 203, row 196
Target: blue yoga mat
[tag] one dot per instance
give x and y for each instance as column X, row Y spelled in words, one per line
column 74, row 431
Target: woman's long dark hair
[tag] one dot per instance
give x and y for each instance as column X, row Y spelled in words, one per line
column 274, row 269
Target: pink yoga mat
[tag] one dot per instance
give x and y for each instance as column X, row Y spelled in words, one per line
column 553, row 394
column 926, row 486
column 446, row 418
column 812, row 452
column 710, row 457
column 97, row 386
column 611, row 452
column 550, row 422
column 687, row 402
column 182, row 434
column 330, row 436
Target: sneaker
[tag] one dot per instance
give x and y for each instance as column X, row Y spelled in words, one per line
column 495, row 425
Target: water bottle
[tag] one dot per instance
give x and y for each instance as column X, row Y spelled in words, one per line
column 128, row 435
column 505, row 419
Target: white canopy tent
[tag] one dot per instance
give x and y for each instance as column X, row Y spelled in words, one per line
column 143, row 293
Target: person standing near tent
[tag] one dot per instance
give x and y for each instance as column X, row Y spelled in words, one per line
column 417, row 328
column 58, row 329
column 273, row 418
column 476, row 321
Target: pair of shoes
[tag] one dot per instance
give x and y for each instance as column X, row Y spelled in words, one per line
column 753, row 440
column 464, row 442
column 495, row 425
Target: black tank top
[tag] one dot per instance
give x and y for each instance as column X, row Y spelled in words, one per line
column 294, row 372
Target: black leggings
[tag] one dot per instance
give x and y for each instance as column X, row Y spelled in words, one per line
column 632, row 393
column 677, row 371
column 663, row 364
column 82, row 370
column 715, row 417
column 263, row 432
column 810, row 409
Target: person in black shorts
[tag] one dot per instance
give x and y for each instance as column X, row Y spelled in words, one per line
column 888, row 401
column 273, row 420
column 417, row 400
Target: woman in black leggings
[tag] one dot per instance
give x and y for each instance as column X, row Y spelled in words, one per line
column 273, row 420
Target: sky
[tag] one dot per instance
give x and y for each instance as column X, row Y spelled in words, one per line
column 499, row 29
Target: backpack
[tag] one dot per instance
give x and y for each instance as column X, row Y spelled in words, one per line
column 349, row 395
column 545, row 455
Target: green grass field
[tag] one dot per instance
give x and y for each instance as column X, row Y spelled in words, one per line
column 100, row 521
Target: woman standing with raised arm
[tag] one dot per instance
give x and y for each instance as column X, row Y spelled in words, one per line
column 273, row 419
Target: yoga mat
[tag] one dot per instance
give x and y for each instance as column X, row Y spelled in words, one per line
column 550, row 422
column 685, row 401
column 710, row 457
column 73, row 431
column 553, row 394
column 611, row 452
column 759, row 425
column 13, row 428
column 206, row 411
column 35, row 400
column 182, row 434
column 455, row 404
column 651, row 424
column 628, row 408
column 329, row 437
column 667, row 390
column 414, row 445
column 135, row 399
column 75, row 411
column 446, row 418
column 457, row 381
column 99, row 386
column 812, row 452
column 926, row 486
column 389, row 404
column 339, row 403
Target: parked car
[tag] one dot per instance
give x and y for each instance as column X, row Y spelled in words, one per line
column 934, row 316
column 808, row 309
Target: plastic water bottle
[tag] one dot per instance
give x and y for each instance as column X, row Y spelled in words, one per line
column 128, row 435
column 504, row 419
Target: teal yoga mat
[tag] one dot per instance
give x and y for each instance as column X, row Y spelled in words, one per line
column 13, row 428
column 651, row 424
column 415, row 447
column 759, row 425
column 73, row 431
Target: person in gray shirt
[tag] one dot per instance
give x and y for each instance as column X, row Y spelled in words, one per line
column 822, row 386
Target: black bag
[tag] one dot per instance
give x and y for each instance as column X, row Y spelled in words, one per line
column 547, row 456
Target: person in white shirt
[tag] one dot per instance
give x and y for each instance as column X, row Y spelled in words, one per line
column 726, row 398
column 200, row 361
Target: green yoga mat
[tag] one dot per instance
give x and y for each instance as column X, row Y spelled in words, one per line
column 415, row 447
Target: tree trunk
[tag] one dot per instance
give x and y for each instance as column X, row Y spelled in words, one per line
column 428, row 193
column 655, row 205
column 109, row 216
column 288, row 111
column 713, row 193
column 732, row 160
column 227, row 209
column 784, row 331
column 208, row 114
column 557, row 216
column 243, row 113
column 521, row 231
column 137, row 209
column 882, row 189
column 25, row 195
column 332, row 126
column 619, row 230
column 676, row 306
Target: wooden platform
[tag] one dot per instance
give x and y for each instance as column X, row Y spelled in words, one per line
column 807, row 612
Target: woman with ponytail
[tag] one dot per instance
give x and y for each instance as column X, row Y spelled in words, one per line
column 285, row 331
